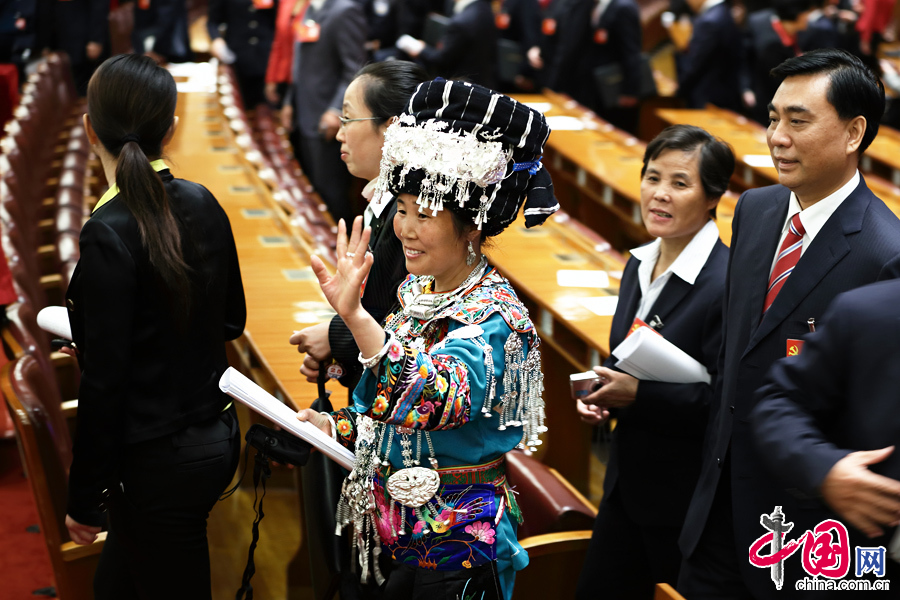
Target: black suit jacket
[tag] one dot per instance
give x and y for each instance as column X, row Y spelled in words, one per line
column 859, row 244
column 143, row 376
column 388, row 272
column 469, row 47
column 819, row 33
column 248, row 32
column 839, row 396
column 764, row 51
column 658, row 439
column 577, row 51
column 708, row 73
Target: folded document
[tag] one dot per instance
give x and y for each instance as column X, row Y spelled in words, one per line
column 239, row 387
column 650, row 357
column 55, row 319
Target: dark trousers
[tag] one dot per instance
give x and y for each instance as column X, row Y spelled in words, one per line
column 321, row 162
column 626, row 558
column 156, row 546
column 712, row 571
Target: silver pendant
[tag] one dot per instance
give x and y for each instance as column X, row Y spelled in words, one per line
column 413, row 486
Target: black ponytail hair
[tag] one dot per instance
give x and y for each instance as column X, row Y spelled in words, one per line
column 131, row 105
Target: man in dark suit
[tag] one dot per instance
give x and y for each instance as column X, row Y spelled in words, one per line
column 827, row 422
column 707, row 72
column 78, row 28
column 821, row 31
column 589, row 35
column 794, row 247
column 329, row 49
column 241, row 35
column 770, row 38
column 467, row 50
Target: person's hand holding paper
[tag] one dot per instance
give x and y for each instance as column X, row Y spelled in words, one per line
column 648, row 356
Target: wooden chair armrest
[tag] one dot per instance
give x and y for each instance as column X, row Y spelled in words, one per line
column 71, row 551
column 54, row 280
column 664, row 591
column 554, row 543
column 69, row 408
column 574, row 491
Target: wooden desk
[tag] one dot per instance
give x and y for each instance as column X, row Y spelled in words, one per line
column 281, row 291
column 883, row 156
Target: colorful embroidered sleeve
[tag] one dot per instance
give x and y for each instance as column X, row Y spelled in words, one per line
column 345, row 427
column 436, row 389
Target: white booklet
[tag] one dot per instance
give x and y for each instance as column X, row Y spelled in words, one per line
column 55, row 319
column 648, row 356
column 241, row 388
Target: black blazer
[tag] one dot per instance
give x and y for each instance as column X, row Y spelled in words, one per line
column 708, row 73
column 859, row 244
column 763, row 51
column 143, row 376
column 657, row 442
column 388, row 272
column 469, row 47
column 838, row 396
column 248, row 32
column 577, row 53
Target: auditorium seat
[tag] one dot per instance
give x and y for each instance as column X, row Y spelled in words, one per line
column 556, row 530
column 47, row 454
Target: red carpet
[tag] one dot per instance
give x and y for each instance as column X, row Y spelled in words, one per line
column 26, row 565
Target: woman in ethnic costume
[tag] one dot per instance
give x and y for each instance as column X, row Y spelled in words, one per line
column 452, row 380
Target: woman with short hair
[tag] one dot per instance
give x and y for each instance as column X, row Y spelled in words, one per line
column 674, row 285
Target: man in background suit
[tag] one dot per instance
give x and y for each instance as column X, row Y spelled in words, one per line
column 770, row 38
column 824, row 221
column 589, row 35
column 328, row 51
column 468, row 48
column 79, row 28
column 708, row 71
column 828, row 416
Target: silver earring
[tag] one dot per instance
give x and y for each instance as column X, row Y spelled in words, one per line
column 471, row 257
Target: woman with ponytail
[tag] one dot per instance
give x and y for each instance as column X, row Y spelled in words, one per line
column 153, row 300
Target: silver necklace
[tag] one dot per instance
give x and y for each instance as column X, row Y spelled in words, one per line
column 424, row 307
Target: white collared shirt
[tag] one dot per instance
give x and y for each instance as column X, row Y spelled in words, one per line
column 461, row 6
column 598, row 11
column 687, row 266
column 709, row 4
column 814, row 217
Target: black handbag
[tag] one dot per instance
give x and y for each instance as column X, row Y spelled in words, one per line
column 282, row 447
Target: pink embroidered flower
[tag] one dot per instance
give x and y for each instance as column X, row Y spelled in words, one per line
column 441, row 384
column 395, row 352
column 380, row 405
column 383, row 517
column 481, row 531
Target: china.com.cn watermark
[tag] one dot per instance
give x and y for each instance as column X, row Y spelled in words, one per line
column 825, row 555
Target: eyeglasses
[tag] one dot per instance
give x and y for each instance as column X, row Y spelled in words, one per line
column 345, row 120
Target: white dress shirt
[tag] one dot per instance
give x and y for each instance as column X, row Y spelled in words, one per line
column 814, row 217
column 687, row 266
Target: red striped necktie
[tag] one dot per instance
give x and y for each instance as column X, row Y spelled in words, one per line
column 787, row 259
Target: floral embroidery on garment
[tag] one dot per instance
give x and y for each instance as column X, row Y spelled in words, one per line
column 460, row 535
